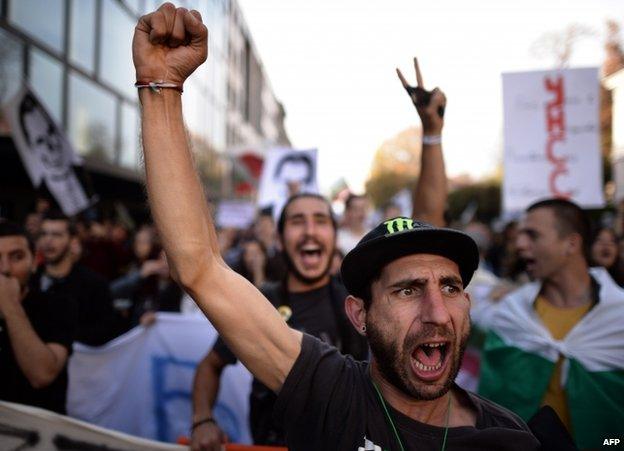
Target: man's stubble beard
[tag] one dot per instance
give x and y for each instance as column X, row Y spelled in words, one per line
column 393, row 363
column 59, row 259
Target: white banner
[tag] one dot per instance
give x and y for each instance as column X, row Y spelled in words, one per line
column 552, row 137
column 286, row 172
column 46, row 153
column 238, row 214
column 141, row 382
column 33, row 429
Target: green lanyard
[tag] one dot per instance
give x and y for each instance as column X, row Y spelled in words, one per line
column 394, row 429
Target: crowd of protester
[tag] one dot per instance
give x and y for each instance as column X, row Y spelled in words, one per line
column 104, row 278
column 112, row 278
column 131, row 261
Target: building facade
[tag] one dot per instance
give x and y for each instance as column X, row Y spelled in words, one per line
column 255, row 117
column 76, row 56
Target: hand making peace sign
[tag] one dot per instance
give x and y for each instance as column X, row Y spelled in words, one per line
column 429, row 104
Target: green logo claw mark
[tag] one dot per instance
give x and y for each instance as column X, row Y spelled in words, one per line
column 398, row 225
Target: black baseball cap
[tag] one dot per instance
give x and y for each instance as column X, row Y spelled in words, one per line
column 401, row 236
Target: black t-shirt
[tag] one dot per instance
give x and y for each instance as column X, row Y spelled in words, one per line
column 98, row 322
column 53, row 319
column 318, row 312
column 312, row 312
column 328, row 402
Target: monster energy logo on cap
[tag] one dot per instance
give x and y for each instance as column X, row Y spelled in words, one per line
column 397, row 237
column 398, row 225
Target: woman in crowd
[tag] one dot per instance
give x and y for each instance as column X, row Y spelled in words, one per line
column 604, row 252
column 147, row 287
column 253, row 261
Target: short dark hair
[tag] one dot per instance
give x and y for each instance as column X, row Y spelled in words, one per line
column 57, row 215
column 281, row 222
column 265, row 212
column 352, row 198
column 8, row 228
column 296, row 158
column 570, row 218
column 367, row 290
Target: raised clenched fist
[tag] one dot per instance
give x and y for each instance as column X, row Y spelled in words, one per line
column 169, row 44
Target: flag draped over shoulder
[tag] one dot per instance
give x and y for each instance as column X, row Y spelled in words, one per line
column 520, row 355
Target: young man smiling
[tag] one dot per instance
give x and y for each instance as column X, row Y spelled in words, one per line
column 417, row 308
column 308, row 299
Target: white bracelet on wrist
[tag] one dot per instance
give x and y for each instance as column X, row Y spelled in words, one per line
column 432, row 140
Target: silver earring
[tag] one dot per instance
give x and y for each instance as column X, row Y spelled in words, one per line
column 363, row 329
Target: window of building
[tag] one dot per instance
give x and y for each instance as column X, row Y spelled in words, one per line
column 91, row 119
column 129, row 152
column 11, row 64
column 246, row 72
column 195, row 110
column 218, row 135
column 45, row 22
column 134, row 5
column 82, row 35
column 116, row 48
column 192, row 4
column 220, row 83
column 218, row 26
column 46, row 79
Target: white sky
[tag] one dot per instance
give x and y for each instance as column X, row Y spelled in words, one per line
column 331, row 62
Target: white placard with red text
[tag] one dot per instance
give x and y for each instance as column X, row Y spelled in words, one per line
column 552, row 137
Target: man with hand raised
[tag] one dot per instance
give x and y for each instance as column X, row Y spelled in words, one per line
column 405, row 278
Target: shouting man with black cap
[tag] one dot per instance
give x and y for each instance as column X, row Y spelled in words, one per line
column 406, row 281
column 308, row 298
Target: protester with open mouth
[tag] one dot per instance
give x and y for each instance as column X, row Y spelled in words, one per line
column 406, row 282
column 605, row 253
column 308, row 299
column 558, row 341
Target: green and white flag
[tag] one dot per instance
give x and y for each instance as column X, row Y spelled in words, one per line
column 520, row 354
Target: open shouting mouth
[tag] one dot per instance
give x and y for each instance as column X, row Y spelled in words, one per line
column 429, row 360
column 310, row 255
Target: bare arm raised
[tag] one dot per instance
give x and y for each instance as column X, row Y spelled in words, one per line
column 431, row 191
column 168, row 45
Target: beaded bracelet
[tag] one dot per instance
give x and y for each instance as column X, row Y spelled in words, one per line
column 432, row 140
column 158, row 86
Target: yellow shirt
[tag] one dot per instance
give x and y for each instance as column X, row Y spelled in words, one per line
column 559, row 321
